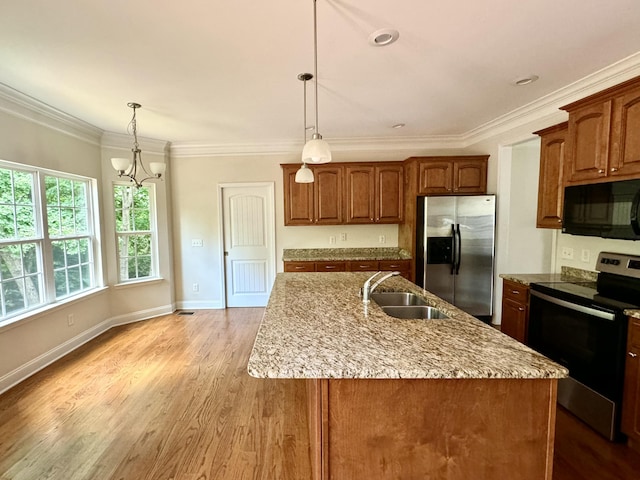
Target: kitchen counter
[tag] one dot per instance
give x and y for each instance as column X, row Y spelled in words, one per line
column 339, row 254
column 567, row 274
column 388, row 398
column 316, row 326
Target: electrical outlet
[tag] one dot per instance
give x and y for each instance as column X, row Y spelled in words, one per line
column 196, row 287
column 70, row 319
column 585, row 255
column 196, row 242
column 332, row 239
column 343, row 237
column 382, row 239
column 567, row 253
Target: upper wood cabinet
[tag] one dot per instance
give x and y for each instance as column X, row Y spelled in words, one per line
column 345, row 193
column 374, row 193
column 458, row 175
column 551, row 180
column 317, row 203
column 603, row 142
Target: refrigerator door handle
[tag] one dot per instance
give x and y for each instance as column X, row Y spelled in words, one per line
column 459, row 249
column 454, row 253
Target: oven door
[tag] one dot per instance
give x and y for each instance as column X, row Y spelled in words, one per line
column 590, row 342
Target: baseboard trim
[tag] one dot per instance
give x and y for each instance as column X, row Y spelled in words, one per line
column 198, row 305
column 32, row 367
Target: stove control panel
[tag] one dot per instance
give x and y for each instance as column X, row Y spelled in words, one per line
column 619, row 263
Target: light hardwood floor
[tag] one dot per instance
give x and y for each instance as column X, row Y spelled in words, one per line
column 167, row 398
column 170, row 398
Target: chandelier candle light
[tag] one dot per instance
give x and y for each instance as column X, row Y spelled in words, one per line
column 316, row 150
column 129, row 167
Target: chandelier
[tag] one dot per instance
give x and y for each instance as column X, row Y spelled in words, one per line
column 130, row 168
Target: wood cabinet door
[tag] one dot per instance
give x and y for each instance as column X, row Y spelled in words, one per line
column 470, row 175
column 625, row 148
column 631, row 398
column 298, row 199
column 588, row 143
column 435, row 177
column 551, row 181
column 327, row 194
column 514, row 319
column 360, row 195
column 389, row 193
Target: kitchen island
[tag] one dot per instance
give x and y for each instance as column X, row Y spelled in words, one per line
column 393, row 398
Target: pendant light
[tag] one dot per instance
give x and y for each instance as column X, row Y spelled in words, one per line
column 304, row 173
column 127, row 167
column 316, row 150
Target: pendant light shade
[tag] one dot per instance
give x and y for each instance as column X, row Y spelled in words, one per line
column 316, row 150
column 304, row 174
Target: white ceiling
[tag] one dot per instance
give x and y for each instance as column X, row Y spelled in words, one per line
column 225, row 72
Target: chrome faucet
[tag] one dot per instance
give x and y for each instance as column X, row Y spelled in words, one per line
column 367, row 291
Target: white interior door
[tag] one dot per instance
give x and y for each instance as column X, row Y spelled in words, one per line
column 249, row 243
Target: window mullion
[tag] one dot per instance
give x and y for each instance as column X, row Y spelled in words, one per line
column 47, row 249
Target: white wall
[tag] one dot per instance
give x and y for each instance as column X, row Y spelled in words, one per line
column 29, row 345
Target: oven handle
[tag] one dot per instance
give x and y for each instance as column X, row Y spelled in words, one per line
column 572, row 306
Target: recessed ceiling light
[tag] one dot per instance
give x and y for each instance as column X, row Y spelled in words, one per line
column 384, row 37
column 398, row 125
column 521, row 81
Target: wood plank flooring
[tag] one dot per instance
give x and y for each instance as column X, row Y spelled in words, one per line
column 170, row 398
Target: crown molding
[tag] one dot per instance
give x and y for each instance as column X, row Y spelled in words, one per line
column 120, row 141
column 550, row 104
column 19, row 105
column 362, row 144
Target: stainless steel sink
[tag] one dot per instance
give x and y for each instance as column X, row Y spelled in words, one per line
column 397, row 299
column 414, row 311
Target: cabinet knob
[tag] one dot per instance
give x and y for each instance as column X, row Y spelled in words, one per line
column 521, row 309
column 633, row 355
column 601, row 171
column 515, row 292
column 559, row 220
column 614, row 169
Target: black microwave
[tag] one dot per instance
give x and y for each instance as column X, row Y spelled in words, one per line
column 607, row 210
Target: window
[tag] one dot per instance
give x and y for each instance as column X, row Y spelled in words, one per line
column 135, row 230
column 47, row 239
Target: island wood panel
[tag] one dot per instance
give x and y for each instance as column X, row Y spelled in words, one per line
column 453, row 429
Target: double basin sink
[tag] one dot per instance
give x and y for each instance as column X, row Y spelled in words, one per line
column 406, row 305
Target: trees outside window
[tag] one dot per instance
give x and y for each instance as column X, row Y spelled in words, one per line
column 47, row 238
column 135, row 231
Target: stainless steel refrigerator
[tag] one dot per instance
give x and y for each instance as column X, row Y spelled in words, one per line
column 455, row 250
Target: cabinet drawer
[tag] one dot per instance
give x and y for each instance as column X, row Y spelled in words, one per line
column 299, row 266
column 331, row 266
column 362, row 265
column 516, row 292
column 399, row 265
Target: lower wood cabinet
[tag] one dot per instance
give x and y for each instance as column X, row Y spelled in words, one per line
column 515, row 310
column 631, row 399
column 402, row 266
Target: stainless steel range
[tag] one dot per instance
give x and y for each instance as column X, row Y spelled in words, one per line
column 582, row 326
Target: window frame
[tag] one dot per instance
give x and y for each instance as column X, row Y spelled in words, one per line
column 153, row 232
column 44, row 241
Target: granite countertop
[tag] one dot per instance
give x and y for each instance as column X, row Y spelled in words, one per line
column 567, row 274
column 316, row 326
column 337, row 254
